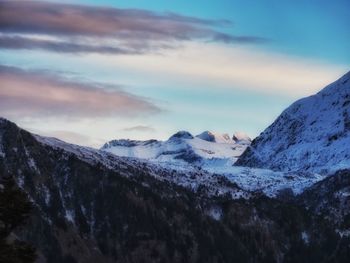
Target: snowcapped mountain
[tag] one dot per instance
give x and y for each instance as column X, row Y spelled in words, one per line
column 313, row 134
column 113, row 204
column 214, row 154
column 204, row 149
column 92, row 206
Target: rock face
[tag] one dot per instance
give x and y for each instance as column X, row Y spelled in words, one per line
column 313, row 134
column 91, row 206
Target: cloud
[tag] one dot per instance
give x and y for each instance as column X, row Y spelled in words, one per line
column 218, row 66
column 28, row 93
column 139, row 128
column 114, row 30
column 20, row 42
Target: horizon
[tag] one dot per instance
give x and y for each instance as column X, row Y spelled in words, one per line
column 88, row 72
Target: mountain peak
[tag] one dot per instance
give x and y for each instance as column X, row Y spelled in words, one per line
column 127, row 143
column 241, row 136
column 5, row 124
column 214, row 137
column 340, row 86
column 181, row 135
column 4, row 120
column 120, row 142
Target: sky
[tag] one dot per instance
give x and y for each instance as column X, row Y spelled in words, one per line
column 91, row 71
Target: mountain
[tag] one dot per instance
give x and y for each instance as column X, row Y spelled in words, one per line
column 183, row 200
column 313, row 134
column 215, row 154
column 215, row 137
column 93, row 206
column 183, row 148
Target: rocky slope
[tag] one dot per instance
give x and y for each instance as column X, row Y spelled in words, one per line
column 91, row 206
column 313, row 134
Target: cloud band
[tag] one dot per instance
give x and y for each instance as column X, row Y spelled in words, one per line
column 112, row 30
column 29, row 93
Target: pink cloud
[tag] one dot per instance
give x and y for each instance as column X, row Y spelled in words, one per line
column 139, row 128
column 111, row 30
column 24, row 93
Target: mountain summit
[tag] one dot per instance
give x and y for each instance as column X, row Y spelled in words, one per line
column 215, row 137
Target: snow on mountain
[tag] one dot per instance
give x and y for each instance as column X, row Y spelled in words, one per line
column 181, row 135
column 215, row 137
column 248, row 179
column 313, row 134
column 240, row 137
column 182, row 147
column 2, row 154
column 266, row 181
column 216, row 175
column 90, row 205
column 186, row 176
column 224, row 138
column 213, row 154
column 307, row 142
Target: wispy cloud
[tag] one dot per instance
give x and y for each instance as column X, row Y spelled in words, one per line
column 35, row 93
column 139, row 128
column 111, row 30
column 201, row 65
column 21, row 42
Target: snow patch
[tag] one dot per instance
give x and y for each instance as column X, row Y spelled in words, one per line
column 343, row 193
column 47, row 195
column 2, row 153
column 305, row 237
column 343, row 233
column 20, row 179
column 215, row 213
column 215, row 137
column 69, row 216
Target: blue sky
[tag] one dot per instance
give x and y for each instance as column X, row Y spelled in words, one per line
column 314, row 28
column 156, row 73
